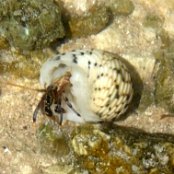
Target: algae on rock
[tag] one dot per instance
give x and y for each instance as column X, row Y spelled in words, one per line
column 164, row 79
column 26, row 65
column 91, row 23
column 30, row 24
column 111, row 149
column 153, row 21
column 120, row 7
column 53, row 141
column 122, row 150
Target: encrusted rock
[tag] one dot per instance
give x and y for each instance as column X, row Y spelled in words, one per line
column 32, row 24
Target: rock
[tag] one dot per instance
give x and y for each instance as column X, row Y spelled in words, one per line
column 91, row 23
column 164, row 81
column 113, row 149
column 29, row 25
column 121, row 7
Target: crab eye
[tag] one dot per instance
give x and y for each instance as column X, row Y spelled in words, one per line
column 59, row 109
column 48, row 111
column 48, row 100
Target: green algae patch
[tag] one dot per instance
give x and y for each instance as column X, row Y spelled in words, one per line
column 24, row 65
column 91, row 23
column 3, row 43
column 52, row 141
column 7, row 6
column 109, row 149
column 94, row 154
column 121, row 7
column 31, row 24
column 153, row 21
column 121, row 150
column 164, row 81
column 25, row 69
column 147, row 98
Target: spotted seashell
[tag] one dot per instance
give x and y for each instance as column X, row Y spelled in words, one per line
column 101, row 87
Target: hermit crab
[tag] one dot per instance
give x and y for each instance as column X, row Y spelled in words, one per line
column 85, row 86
